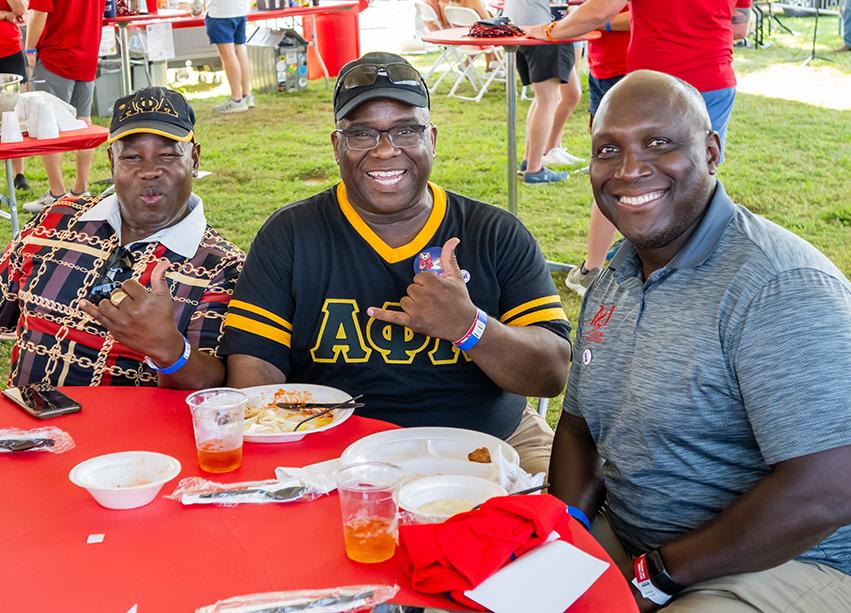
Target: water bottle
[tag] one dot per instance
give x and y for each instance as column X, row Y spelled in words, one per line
column 109, row 9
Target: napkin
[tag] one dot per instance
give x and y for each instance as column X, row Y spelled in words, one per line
column 466, row 549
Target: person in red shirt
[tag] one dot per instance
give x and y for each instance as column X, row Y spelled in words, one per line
column 12, row 60
column 63, row 38
column 689, row 40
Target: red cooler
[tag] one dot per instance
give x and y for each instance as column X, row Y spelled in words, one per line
column 339, row 41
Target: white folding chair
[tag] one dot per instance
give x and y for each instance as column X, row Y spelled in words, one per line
column 459, row 16
column 449, row 56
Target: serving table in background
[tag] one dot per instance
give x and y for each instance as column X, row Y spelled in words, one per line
column 72, row 140
column 167, row 557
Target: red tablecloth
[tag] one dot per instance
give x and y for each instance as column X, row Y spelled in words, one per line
column 166, row 557
column 190, row 21
column 87, row 138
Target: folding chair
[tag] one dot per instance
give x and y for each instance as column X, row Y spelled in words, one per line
column 448, row 55
column 459, row 16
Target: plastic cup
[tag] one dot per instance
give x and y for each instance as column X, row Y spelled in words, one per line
column 369, row 505
column 217, row 419
column 11, row 129
column 47, row 125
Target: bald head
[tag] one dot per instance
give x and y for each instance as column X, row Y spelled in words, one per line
column 667, row 95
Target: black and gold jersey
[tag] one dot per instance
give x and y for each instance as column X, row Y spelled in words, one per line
column 314, row 269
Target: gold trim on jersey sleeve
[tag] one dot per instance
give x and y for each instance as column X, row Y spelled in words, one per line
column 253, row 308
column 539, row 316
column 528, row 306
column 403, row 252
column 260, row 329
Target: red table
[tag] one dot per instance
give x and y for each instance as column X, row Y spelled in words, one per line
column 183, row 20
column 458, row 36
column 73, row 140
column 167, row 557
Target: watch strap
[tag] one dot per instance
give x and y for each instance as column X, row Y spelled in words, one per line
column 659, row 574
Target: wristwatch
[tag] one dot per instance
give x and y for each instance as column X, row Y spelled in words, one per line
column 659, row 574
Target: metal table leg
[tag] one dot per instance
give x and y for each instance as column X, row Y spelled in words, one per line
column 11, row 200
column 319, row 55
column 511, row 100
column 126, row 77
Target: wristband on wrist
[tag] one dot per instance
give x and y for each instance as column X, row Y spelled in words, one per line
column 548, row 31
column 659, row 573
column 608, row 27
column 644, row 585
column 30, row 51
column 168, row 370
column 474, row 334
column 579, row 515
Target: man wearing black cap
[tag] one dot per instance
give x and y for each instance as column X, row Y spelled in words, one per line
column 437, row 308
column 129, row 289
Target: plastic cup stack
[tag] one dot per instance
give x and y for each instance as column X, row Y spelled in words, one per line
column 11, row 130
column 46, row 125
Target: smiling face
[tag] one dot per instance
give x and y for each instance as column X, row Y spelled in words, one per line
column 386, row 180
column 153, row 180
column 653, row 157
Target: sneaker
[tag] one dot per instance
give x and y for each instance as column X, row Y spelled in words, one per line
column 580, row 281
column 522, row 168
column 36, row 206
column 559, row 156
column 545, row 175
column 231, row 106
column 249, row 101
column 85, row 194
column 21, row 182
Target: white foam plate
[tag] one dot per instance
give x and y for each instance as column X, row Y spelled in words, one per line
column 321, row 393
column 415, row 494
column 423, row 452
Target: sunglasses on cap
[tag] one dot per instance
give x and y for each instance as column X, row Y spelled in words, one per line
column 367, row 74
column 117, row 270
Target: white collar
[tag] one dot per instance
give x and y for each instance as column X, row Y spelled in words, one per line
column 183, row 238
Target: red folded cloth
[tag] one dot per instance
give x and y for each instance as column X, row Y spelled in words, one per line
column 466, row 549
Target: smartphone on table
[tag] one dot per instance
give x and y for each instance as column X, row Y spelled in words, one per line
column 42, row 402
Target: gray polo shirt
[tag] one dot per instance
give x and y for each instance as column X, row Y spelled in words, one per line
column 528, row 12
column 733, row 357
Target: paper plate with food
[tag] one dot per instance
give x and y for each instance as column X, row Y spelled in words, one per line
column 423, row 452
column 273, row 411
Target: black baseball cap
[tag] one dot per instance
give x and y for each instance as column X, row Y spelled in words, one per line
column 378, row 75
column 153, row 110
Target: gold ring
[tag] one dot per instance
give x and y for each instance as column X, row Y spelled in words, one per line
column 117, row 296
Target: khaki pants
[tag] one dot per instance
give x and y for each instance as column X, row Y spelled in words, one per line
column 533, row 440
column 800, row 587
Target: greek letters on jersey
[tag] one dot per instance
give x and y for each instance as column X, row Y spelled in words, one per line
column 316, row 267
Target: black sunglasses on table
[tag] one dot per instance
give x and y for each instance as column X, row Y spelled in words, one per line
column 117, row 270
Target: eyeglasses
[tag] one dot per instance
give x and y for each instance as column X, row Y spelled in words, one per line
column 401, row 137
column 367, row 74
column 119, row 268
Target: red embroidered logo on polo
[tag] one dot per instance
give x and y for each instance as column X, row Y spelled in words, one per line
column 598, row 322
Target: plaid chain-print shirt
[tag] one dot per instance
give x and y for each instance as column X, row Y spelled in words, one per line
column 54, row 263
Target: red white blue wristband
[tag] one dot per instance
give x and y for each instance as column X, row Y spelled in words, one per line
column 644, row 585
column 168, row 370
column 474, row 334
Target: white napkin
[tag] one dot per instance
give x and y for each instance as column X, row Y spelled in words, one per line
column 547, row 579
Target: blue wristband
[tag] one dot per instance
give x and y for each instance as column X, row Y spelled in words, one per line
column 31, row 51
column 577, row 514
column 474, row 334
column 608, row 27
column 184, row 357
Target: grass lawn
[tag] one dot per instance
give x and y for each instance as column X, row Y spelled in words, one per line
column 788, row 161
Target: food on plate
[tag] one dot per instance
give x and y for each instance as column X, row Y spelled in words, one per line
column 446, row 507
column 481, row 455
column 264, row 416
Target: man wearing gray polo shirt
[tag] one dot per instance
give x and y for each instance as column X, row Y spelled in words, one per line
column 707, row 419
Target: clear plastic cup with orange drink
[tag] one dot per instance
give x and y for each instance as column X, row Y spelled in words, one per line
column 217, row 419
column 369, row 504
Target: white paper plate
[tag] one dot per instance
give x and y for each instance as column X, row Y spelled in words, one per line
column 423, row 452
column 321, row 393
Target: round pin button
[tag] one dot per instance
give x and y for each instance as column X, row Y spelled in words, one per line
column 428, row 260
column 586, row 357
